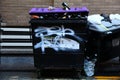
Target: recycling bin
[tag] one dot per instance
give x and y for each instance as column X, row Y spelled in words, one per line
column 104, row 37
column 58, row 37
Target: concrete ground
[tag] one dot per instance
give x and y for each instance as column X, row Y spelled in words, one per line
column 22, row 68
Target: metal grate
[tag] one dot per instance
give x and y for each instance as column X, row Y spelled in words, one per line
column 15, row 40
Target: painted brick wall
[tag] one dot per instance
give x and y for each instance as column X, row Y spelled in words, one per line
column 15, row 12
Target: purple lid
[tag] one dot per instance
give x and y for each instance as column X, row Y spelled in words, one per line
column 58, row 10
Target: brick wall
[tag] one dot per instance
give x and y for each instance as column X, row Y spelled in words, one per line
column 95, row 6
column 15, row 12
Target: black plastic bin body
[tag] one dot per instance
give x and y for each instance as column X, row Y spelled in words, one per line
column 57, row 57
column 61, row 59
column 105, row 44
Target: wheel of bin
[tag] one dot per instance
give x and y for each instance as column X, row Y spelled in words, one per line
column 78, row 70
column 119, row 59
column 38, row 73
column 79, row 73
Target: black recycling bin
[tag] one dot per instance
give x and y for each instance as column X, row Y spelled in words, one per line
column 59, row 37
column 104, row 40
